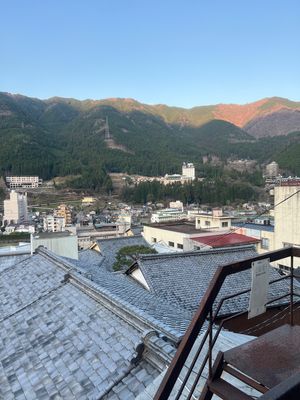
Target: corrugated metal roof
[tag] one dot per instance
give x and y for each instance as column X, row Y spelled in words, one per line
column 225, row 240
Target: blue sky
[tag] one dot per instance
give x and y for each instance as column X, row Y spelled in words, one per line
column 184, row 53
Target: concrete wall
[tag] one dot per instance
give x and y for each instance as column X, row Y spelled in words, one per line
column 62, row 246
column 287, row 219
column 164, row 236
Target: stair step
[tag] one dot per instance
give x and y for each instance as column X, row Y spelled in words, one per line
column 226, row 391
column 245, row 379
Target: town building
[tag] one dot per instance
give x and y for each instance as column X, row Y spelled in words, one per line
column 230, row 239
column 60, row 243
column 170, row 235
column 88, row 200
column 263, row 232
column 242, row 165
column 168, row 215
column 15, row 208
column 53, row 223
column 188, row 171
column 65, row 212
column 213, row 220
column 16, row 182
column 188, row 175
column 176, row 204
column 87, row 235
column 272, row 170
column 183, row 278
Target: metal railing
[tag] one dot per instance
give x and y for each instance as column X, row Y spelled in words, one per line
column 208, row 311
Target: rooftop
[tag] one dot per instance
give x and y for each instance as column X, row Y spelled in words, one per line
column 258, row 227
column 181, row 227
column 110, row 247
column 66, row 337
column 226, row 240
column 183, row 278
column 52, row 235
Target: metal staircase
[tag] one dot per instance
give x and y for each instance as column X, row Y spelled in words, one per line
column 269, row 366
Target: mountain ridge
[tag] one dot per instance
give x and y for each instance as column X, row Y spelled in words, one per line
column 240, row 115
column 67, row 136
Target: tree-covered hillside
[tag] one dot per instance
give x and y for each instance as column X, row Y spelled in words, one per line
column 59, row 137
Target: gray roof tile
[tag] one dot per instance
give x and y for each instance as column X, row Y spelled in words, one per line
column 183, row 278
column 110, row 247
column 58, row 342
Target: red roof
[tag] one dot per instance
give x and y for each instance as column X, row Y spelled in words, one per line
column 227, row 239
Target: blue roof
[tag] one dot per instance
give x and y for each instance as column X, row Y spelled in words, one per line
column 258, row 227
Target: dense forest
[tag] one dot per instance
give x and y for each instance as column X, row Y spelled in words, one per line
column 61, row 137
column 214, row 192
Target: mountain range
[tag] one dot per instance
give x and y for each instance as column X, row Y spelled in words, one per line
column 61, row 136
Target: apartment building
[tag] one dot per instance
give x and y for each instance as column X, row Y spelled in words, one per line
column 15, row 208
column 53, row 223
column 15, row 182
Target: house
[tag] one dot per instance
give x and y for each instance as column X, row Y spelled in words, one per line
column 110, row 247
column 230, row 239
column 214, row 220
column 183, row 278
column 171, row 235
column 69, row 337
column 261, row 232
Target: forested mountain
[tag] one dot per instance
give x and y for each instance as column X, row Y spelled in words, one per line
column 67, row 137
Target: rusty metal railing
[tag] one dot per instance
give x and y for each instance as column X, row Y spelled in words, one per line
column 208, row 312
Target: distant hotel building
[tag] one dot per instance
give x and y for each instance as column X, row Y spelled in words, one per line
column 188, row 171
column 188, row 175
column 15, row 182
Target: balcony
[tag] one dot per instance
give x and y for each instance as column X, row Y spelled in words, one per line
column 266, row 367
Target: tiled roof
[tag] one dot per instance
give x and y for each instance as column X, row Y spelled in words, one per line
column 6, row 261
column 225, row 240
column 131, row 297
column 87, row 259
column 110, row 247
column 183, row 278
column 59, row 340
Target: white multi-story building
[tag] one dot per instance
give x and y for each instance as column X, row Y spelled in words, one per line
column 213, row 220
column 15, row 182
column 15, row 209
column 168, row 215
column 53, row 223
column 188, row 171
column 272, row 170
column 176, row 204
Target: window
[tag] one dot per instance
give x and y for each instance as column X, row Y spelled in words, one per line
column 171, row 244
column 207, row 223
column 179, row 246
column 196, row 248
column 224, row 224
column 153, row 240
column 265, row 243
